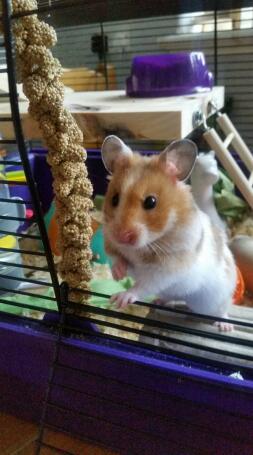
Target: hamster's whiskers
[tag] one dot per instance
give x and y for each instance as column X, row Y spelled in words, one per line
column 154, row 248
column 158, row 249
column 164, row 249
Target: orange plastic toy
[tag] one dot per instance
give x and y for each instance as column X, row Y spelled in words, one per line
column 240, row 288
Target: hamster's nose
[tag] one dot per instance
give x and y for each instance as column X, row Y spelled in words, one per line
column 127, row 237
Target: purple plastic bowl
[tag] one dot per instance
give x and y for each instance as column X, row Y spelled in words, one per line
column 168, row 75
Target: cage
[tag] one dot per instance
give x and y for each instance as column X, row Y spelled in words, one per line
column 152, row 379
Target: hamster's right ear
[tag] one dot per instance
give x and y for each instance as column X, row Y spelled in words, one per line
column 178, row 159
column 113, row 151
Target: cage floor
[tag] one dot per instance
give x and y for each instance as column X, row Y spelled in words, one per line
column 231, row 347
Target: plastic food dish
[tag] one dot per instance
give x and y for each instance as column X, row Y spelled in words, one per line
column 168, row 75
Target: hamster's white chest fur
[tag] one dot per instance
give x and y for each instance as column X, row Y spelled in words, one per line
column 206, row 284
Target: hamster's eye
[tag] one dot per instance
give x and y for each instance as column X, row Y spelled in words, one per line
column 115, row 200
column 149, row 203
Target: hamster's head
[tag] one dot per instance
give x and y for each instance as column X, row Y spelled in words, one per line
column 146, row 196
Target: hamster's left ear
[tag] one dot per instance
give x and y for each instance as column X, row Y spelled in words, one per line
column 178, row 159
column 113, row 152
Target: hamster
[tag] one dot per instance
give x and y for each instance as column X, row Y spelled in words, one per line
column 155, row 232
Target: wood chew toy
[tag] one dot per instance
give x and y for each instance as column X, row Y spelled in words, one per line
column 221, row 149
column 40, row 74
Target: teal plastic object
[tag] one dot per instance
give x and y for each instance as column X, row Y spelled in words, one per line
column 49, row 215
column 98, row 249
column 47, row 219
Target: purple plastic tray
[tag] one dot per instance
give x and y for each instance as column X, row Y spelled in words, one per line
column 168, row 75
column 128, row 399
column 43, row 177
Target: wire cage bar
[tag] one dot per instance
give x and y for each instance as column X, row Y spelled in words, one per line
column 13, row 95
column 124, row 380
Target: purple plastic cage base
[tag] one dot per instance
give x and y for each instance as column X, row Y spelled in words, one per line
column 130, row 402
column 147, row 406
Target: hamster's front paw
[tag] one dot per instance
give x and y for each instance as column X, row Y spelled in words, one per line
column 224, row 326
column 119, row 269
column 122, row 299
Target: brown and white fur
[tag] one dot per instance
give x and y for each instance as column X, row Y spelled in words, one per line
column 172, row 250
